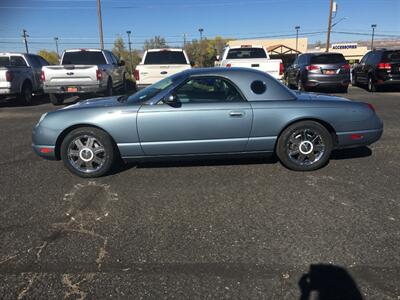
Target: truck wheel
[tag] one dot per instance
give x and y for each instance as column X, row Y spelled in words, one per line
column 304, row 146
column 88, row 152
column 56, row 99
column 109, row 92
column 25, row 97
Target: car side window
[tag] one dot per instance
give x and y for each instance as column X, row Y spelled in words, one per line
column 17, row 61
column 43, row 62
column 208, row 89
column 365, row 58
column 34, row 61
column 115, row 59
column 302, row 60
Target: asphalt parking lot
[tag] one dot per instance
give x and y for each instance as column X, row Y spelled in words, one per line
column 208, row 229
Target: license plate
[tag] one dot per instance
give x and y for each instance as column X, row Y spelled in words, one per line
column 72, row 90
column 330, row 72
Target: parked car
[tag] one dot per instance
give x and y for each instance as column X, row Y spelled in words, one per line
column 83, row 71
column 20, row 75
column 157, row 64
column 251, row 56
column 205, row 112
column 378, row 68
column 316, row 70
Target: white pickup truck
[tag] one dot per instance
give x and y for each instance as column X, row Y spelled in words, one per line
column 158, row 64
column 250, row 56
column 83, row 71
column 20, row 75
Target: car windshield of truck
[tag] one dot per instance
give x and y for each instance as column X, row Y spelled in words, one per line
column 152, row 90
column 392, row 56
column 4, row 61
column 165, row 57
column 243, row 53
column 84, row 58
column 327, row 59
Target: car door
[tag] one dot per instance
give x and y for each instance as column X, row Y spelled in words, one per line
column 361, row 71
column 36, row 67
column 292, row 71
column 210, row 115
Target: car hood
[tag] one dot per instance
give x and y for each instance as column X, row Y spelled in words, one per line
column 97, row 102
column 318, row 97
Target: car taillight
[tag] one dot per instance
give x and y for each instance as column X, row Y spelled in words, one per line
column 346, row 67
column 384, row 66
column 228, row 65
column 42, row 76
column 312, row 67
column 99, row 75
column 136, row 74
column 9, row 76
column 371, row 107
column 280, row 68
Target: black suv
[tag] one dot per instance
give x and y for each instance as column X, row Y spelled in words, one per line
column 313, row 70
column 378, row 68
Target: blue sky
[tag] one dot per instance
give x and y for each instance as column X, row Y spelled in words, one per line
column 75, row 21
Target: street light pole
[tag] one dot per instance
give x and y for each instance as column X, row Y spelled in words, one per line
column 130, row 49
column 297, row 39
column 56, row 40
column 373, row 26
column 201, row 46
column 328, row 34
column 100, row 24
column 201, row 33
column 25, row 36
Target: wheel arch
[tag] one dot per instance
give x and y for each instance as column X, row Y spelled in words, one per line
column 25, row 81
column 326, row 124
column 67, row 130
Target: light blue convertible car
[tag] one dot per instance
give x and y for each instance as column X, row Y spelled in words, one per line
column 205, row 112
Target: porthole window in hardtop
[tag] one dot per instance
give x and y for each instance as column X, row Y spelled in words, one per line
column 258, row 87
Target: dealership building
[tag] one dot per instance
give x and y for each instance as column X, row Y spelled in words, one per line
column 287, row 50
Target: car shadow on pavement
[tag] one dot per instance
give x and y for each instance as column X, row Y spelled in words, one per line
column 351, row 153
column 326, row 282
column 14, row 102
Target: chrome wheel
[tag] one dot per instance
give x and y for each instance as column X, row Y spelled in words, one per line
column 305, row 147
column 86, row 154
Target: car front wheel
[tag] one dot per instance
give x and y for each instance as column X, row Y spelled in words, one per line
column 88, row 152
column 304, row 146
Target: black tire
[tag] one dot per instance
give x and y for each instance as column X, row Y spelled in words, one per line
column 343, row 90
column 56, row 99
column 371, row 86
column 354, row 80
column 95, row 165
column 110, row 90
column 320, row 151
column 300, row 86
column 25, row 97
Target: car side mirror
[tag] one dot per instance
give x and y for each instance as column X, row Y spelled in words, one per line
column 121, row 63
column 192, row 63
column 170, row 99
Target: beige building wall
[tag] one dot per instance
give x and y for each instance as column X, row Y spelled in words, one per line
column 351, row 54
column 291, row 43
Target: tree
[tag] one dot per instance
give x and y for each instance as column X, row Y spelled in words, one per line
column 122, row 53
column 155, row 43
column 50, row 56
column 203, row 53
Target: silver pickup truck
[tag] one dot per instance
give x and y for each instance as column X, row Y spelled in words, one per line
column 83, row 71
column 20, row 75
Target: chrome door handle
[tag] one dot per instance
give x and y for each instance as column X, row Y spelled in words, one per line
column 236, row 114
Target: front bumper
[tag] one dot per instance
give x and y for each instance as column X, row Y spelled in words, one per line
column 81, row 89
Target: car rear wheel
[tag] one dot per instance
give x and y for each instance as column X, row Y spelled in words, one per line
column 300, row 86
column 88, row 152
column 25, row 97
column 110, row 90
column 56, row 99
column 304, row 146
column 371, row 85
column 354, row 80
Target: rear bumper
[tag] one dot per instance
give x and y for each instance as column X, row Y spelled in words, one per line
column 314, row 80
column 6, row 91
column 81, row 89
column 389, row 81
column 358, row 138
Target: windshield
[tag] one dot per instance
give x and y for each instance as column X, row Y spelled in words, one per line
column 83, row 58
column 4, row 61
column 165, row 57
column 152, row 90
column 328, row 59
column 243, row 53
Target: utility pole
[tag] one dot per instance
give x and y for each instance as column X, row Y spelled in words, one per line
column 184, row 40
column 328, row 34
column 25, row 36
column 56, row 40
column 100, row 24
column 130, row 49
column 297, row 39
column 201, row 46
column 373, row 26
